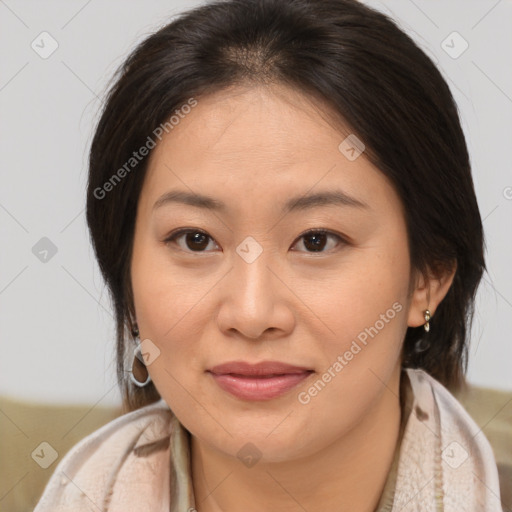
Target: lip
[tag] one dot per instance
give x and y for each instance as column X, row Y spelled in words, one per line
column 260, row 381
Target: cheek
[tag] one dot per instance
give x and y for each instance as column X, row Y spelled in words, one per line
column 365, row 307
column 367, row 301
column 164, row 305
column 170, row 307
column 165, row 295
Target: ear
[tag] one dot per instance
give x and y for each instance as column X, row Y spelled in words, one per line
column 428, row 292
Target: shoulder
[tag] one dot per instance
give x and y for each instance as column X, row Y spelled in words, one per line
column 450, row 412
column 90, row 469
column 467, row 463
column 448, row 405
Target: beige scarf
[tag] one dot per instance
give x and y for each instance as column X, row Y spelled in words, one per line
column 445, row 462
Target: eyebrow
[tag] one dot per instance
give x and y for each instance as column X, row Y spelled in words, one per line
column 300, row 203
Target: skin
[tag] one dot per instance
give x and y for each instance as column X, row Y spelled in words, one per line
column 202, row 304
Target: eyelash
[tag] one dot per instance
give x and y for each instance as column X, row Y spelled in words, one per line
column 319, row 231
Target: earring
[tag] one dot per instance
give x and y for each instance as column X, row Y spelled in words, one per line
column 426, row 325
column 139, row 374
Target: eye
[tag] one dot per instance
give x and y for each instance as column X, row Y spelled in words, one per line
column 194, row 239
column 317, row 239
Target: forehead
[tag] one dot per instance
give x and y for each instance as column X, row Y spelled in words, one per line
column 257, row 142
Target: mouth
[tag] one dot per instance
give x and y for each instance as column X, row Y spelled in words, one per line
column 261, row 381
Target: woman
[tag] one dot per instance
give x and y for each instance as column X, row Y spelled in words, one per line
column 281, row 203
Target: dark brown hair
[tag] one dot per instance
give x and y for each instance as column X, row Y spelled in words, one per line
column 373, row 77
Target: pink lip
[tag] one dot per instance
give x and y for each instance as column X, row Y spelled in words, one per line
column 261, row 381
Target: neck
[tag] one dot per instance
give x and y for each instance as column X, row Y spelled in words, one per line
column 349, row 474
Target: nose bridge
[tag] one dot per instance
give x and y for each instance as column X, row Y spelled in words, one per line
column 251, row 270
column 250, row 299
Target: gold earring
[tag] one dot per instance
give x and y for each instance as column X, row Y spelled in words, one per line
column 426, row 315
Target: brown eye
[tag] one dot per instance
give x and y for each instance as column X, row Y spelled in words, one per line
column 191, row 240
column 317, row 240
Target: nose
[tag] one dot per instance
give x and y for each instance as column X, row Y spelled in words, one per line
column 255, row 300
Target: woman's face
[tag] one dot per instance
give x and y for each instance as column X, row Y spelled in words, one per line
column 246, row 284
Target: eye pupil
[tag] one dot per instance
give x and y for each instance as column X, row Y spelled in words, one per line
column 318, row 241
column 199, row 240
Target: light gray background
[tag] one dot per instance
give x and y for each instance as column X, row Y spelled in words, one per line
column 56, row 324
